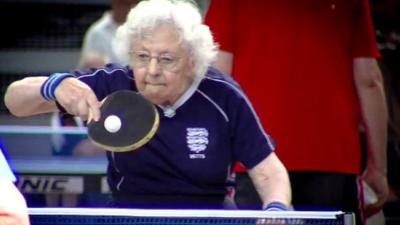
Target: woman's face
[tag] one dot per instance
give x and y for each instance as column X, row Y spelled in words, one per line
column 163, row 70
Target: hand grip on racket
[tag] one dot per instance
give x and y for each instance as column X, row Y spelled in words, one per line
column 127, row 122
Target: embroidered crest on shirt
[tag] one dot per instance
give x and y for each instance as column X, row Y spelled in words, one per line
column 197, row 141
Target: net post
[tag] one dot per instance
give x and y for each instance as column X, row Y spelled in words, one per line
column 349, row 219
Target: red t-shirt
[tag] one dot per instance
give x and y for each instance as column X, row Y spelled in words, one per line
column 294, row 59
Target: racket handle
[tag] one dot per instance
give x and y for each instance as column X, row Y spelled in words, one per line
column 90, row 117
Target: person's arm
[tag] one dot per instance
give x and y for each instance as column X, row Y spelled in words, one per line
column 224, row 62
column 271, row 181
column 369, row 84
column 24, row 98
column 220, row 18
column 92, row 59
column 13, row 208
column 92, row 52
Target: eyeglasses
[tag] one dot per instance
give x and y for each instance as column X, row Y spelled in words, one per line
column 165, row 61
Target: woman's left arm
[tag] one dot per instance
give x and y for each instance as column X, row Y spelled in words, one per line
column 271, row 181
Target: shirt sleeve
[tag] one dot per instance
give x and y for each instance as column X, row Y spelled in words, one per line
column 251, row 143
column 364, row 38
column 219, row 18
column 5, row 171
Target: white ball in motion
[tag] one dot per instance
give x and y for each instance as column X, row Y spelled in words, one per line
column 112, row 123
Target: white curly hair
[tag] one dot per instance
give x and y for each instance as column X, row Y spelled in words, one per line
column 183, row 15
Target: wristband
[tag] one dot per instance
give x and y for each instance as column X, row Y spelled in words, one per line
column 276, row 206
column 48, row 88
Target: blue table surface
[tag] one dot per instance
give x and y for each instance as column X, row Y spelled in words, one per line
column 66, row 165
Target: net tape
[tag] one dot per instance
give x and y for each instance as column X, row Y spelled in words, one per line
column 97, row 216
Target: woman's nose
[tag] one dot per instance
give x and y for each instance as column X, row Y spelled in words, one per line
column 153, row 66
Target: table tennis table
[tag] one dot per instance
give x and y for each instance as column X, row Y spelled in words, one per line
column 40, row 171
column 61, row 174
column 47, row 174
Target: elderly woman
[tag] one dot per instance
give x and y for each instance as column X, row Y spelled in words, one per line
column 170, row 52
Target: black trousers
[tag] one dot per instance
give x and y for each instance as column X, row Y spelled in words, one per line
column 311, row 191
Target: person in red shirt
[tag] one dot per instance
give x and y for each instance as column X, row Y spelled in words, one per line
column 309, row 67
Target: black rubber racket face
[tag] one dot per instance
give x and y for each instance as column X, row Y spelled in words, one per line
column 139, row 122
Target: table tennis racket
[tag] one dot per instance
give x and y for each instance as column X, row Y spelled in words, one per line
column 138, row 117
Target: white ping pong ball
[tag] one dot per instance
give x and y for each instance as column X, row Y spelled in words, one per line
column 112, row 123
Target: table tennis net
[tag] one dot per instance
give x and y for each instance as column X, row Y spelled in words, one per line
column 97, row 216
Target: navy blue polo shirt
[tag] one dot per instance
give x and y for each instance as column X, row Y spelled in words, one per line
column 191, row 155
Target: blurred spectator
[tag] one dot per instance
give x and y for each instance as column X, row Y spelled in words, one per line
column 97, row 47
column 310, row 68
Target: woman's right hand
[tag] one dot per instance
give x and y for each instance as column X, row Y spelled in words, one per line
column 78, row 99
